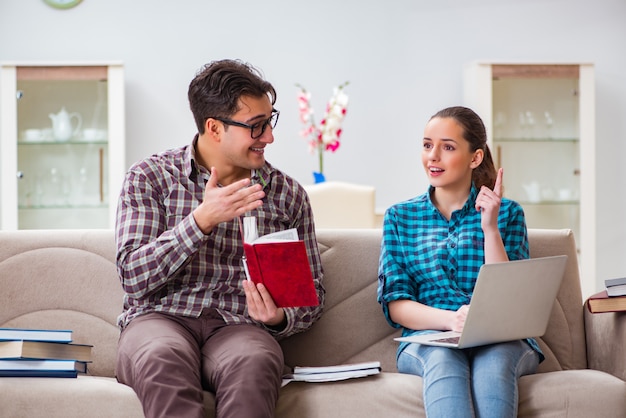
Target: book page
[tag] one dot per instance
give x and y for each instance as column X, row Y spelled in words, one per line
column 250, row 232
column 331, row 377
column 287, row 235
column 251, row 235
column 336, row 368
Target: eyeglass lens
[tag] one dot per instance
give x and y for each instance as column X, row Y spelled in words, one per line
column 259, row 128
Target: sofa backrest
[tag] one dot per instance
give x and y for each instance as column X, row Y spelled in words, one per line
column 564, row 343
column 63, row 279
column 66, row 279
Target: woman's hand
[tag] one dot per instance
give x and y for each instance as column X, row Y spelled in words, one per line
column 458, row 319
column 488, row 203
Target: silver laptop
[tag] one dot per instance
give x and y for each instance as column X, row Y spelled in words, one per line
column 511, row 301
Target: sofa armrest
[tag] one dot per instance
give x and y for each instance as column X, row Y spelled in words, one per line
column 606, row 342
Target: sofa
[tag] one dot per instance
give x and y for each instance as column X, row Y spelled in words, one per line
column 66, row 279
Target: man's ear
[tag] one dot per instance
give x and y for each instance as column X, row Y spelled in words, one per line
column 213, row 128
column 477, row 158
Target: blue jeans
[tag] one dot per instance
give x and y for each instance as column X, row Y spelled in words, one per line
column 474, row 382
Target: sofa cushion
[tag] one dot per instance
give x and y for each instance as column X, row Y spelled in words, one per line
column 572, row 394
column 382, row 395
column 85, row 396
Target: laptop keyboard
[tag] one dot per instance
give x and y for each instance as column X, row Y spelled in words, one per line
column 451, row 340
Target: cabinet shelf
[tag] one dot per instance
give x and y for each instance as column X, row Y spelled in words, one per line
column 548, row 202
column 546, row 140
column 63, row 206
column 59, row 143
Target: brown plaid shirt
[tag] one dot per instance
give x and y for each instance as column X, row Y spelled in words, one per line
column 167, row 264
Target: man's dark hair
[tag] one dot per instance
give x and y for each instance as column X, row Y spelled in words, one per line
column 217, row 87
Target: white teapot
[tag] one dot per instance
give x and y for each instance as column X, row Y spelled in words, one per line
column 62, row 124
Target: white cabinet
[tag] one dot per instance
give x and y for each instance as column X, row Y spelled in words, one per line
column 540, row 120
column 62, row 144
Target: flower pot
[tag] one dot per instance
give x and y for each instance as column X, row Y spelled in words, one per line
column 319, row 177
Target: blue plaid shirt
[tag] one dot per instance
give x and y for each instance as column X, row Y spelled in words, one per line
column 433, row 261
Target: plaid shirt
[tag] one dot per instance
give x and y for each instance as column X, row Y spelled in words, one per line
column 433, row 261
column 165, row 262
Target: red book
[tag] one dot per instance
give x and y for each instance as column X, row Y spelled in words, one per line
column 282, row 266
column 602, row 302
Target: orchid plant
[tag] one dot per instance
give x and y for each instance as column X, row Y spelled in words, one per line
column 325, row 136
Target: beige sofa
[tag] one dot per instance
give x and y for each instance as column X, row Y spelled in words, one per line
column 67, row 279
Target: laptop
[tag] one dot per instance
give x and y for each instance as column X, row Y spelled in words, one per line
column 511, row 301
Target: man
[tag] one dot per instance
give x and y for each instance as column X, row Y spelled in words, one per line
column 191, row 321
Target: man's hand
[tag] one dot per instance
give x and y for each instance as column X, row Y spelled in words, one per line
column 221, row 204
column 261, row 306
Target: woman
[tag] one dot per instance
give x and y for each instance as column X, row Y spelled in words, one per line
column 433, row 246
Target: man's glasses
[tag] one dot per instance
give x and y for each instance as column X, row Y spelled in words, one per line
column 257, row 129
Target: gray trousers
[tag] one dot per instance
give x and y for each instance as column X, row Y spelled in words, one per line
column 168, row 360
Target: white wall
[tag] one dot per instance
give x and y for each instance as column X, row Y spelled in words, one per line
column 403, row 58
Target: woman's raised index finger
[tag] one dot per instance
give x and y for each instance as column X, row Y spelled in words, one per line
column 497, row 188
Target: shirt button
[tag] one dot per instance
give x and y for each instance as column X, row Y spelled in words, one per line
column 452, row 245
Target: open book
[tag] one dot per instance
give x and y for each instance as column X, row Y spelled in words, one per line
column 279, row 261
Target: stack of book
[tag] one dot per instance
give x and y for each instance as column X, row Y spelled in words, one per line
column 41, row 353
column 332, row 373
column 616, row 287
column 611, row 299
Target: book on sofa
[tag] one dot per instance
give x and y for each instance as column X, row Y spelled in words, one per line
column 41, row 368
column 601, row 302
column 41, row 353
column 52, row 335
column 21, row 349
column 333, row 373
column 616, row 287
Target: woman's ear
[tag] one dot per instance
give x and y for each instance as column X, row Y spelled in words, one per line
column 477, row 158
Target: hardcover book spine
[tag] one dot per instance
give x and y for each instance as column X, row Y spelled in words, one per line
column 252, row 263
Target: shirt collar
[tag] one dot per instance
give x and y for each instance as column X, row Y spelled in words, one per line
column 190, row 167
column 470, row 203
column 263, row 175
column 471, row 199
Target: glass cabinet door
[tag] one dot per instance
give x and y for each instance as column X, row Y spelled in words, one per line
column 541, row 127
column 67, row 126
column 536, row 140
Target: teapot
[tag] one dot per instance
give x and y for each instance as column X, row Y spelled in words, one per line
column 62, row 124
